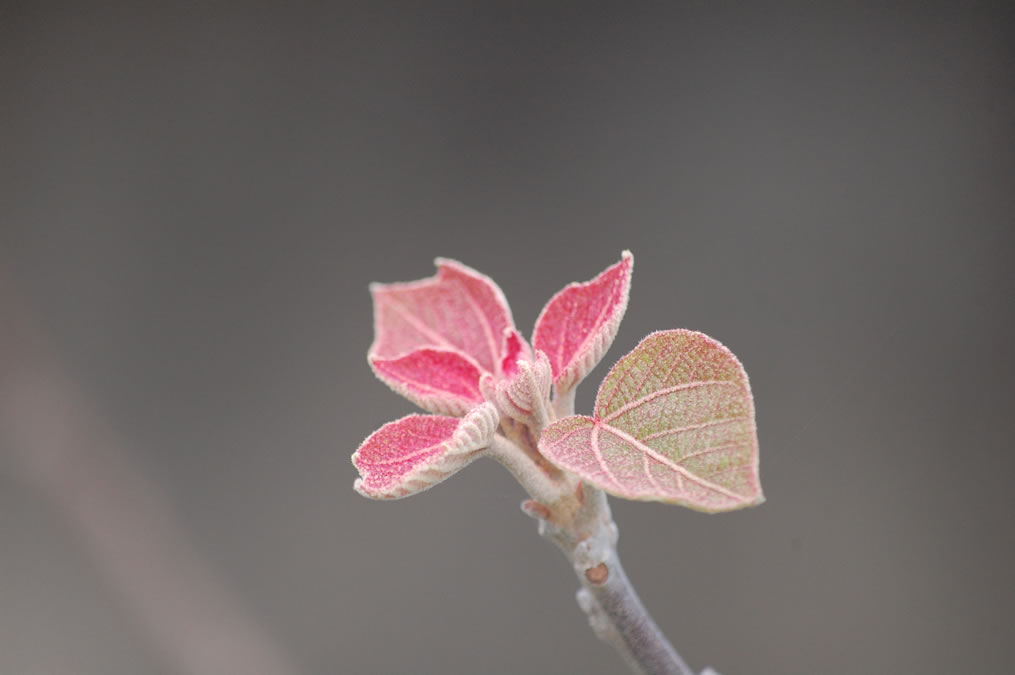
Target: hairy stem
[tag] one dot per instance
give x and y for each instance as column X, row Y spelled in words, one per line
column 537, row 482
column 563, row 403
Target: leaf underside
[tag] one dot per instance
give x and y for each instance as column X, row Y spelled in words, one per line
column 674, row 422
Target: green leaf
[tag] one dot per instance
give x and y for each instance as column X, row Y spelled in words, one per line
column 674, row 422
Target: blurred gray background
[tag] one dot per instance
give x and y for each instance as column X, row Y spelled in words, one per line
column 193, row 200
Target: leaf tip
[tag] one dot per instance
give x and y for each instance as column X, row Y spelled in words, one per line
column 358, row 487
column 446, row 265
column 577, row 325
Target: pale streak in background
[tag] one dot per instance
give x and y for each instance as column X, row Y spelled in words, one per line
column 116, row 515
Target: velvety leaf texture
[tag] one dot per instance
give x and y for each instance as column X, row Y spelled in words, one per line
column 443, row 382
column 525, row 395
column 578, row 324
column 674, row 422
column 418, row 451
column 435, row 338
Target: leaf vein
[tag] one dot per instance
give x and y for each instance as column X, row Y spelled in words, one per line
column 484, row 321
column 671, row 464
column 594, row 442
column 694, row 427
column 404, row 458
column 663, row 392
column 421, row 327
column 648, row 474
column 708, row 450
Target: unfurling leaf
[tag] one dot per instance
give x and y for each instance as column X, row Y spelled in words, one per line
column 674, row 422
column 578, row 324
column 418, row 451
column 524, row 396
column 434, row 338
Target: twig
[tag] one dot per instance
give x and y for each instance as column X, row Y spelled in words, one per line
column 576, row 517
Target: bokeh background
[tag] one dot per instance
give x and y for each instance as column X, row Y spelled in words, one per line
column 193, row 199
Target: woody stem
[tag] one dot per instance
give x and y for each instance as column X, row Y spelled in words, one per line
column 576, row 517
column 616, row 613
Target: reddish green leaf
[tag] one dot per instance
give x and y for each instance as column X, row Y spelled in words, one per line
column 674, row 422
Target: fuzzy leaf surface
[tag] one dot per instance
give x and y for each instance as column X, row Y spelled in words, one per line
column 443, row 382
column 524, row 396
column 578, row 324
column 674, row 422
column 418, row 451
column 434, row 338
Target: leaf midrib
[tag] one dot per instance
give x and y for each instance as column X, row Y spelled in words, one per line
column 663, row 459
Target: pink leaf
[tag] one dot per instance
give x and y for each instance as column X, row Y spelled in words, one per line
column 578, row 324
column 417, row 452
column 443, row 382
column 514, row 349
column 457, row 310
column 674, row 422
